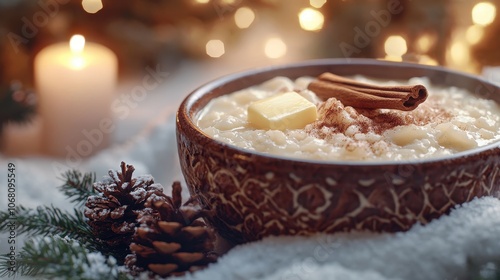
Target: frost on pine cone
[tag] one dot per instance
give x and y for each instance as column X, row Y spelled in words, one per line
column 176, row 243
column 112, row 214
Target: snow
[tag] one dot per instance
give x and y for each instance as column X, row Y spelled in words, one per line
column 138, row 194
column 144, row 179
column 439, row 250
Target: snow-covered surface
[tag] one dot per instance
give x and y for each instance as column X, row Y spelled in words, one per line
column 439, row 250
column 146, row 139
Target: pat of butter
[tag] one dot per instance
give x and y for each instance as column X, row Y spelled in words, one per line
column 284, row 111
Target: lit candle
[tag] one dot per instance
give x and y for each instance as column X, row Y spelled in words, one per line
column 75, row 84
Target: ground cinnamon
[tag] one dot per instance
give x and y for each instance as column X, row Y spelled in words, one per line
column 367, row 96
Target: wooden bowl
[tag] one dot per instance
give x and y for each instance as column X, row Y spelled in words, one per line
column 253, row 194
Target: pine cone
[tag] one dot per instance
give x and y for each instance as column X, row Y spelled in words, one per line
column 176, row 243
column 112, row 214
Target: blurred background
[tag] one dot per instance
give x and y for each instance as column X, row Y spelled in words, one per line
column 461, row 34
column 199, row 40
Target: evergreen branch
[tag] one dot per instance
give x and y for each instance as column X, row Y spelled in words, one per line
column 63, row 258
column 16, row 104
column 484, row 270
column 77, row 186
column 47, row 220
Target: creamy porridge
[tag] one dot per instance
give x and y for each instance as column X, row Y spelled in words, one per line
column 449, row 121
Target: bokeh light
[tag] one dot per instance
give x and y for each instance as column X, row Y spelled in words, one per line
column 244, row 17
column 459, row 53
column 275, row 48
column 215, row 48
column 484, row 13
column 317, row 3
column 474, row 34
column 425, row 59
column 92, row 6
column 202, row 1
column 395, row 46
column 425, row 42
column 311, row 19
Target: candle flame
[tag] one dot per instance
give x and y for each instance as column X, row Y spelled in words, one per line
column 77, row 43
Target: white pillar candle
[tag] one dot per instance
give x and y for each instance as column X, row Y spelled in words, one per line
column 75, row 84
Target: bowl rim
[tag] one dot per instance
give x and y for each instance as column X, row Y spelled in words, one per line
column 207, row 87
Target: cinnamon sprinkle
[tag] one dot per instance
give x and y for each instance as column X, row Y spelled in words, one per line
column 340, row 119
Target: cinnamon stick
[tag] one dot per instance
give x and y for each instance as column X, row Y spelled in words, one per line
column 367, row 96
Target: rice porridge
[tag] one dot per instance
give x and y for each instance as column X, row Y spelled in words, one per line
column 449, row 121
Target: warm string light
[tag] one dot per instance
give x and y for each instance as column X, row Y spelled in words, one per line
column 311, row 19
column 474, row 34
column 459, row 53
column 244, row 17
column 395, row 47
column 425, row 42
column 483, row 13
column 425, row 59
column 215, row 48
column 317, row 3
column 92, row 6
column 275, row 48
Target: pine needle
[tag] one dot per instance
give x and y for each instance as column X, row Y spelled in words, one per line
column 49, row 220
column 77, row 186
column 64, row 258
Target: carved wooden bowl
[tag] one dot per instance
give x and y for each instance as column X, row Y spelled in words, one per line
column 253, row 195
